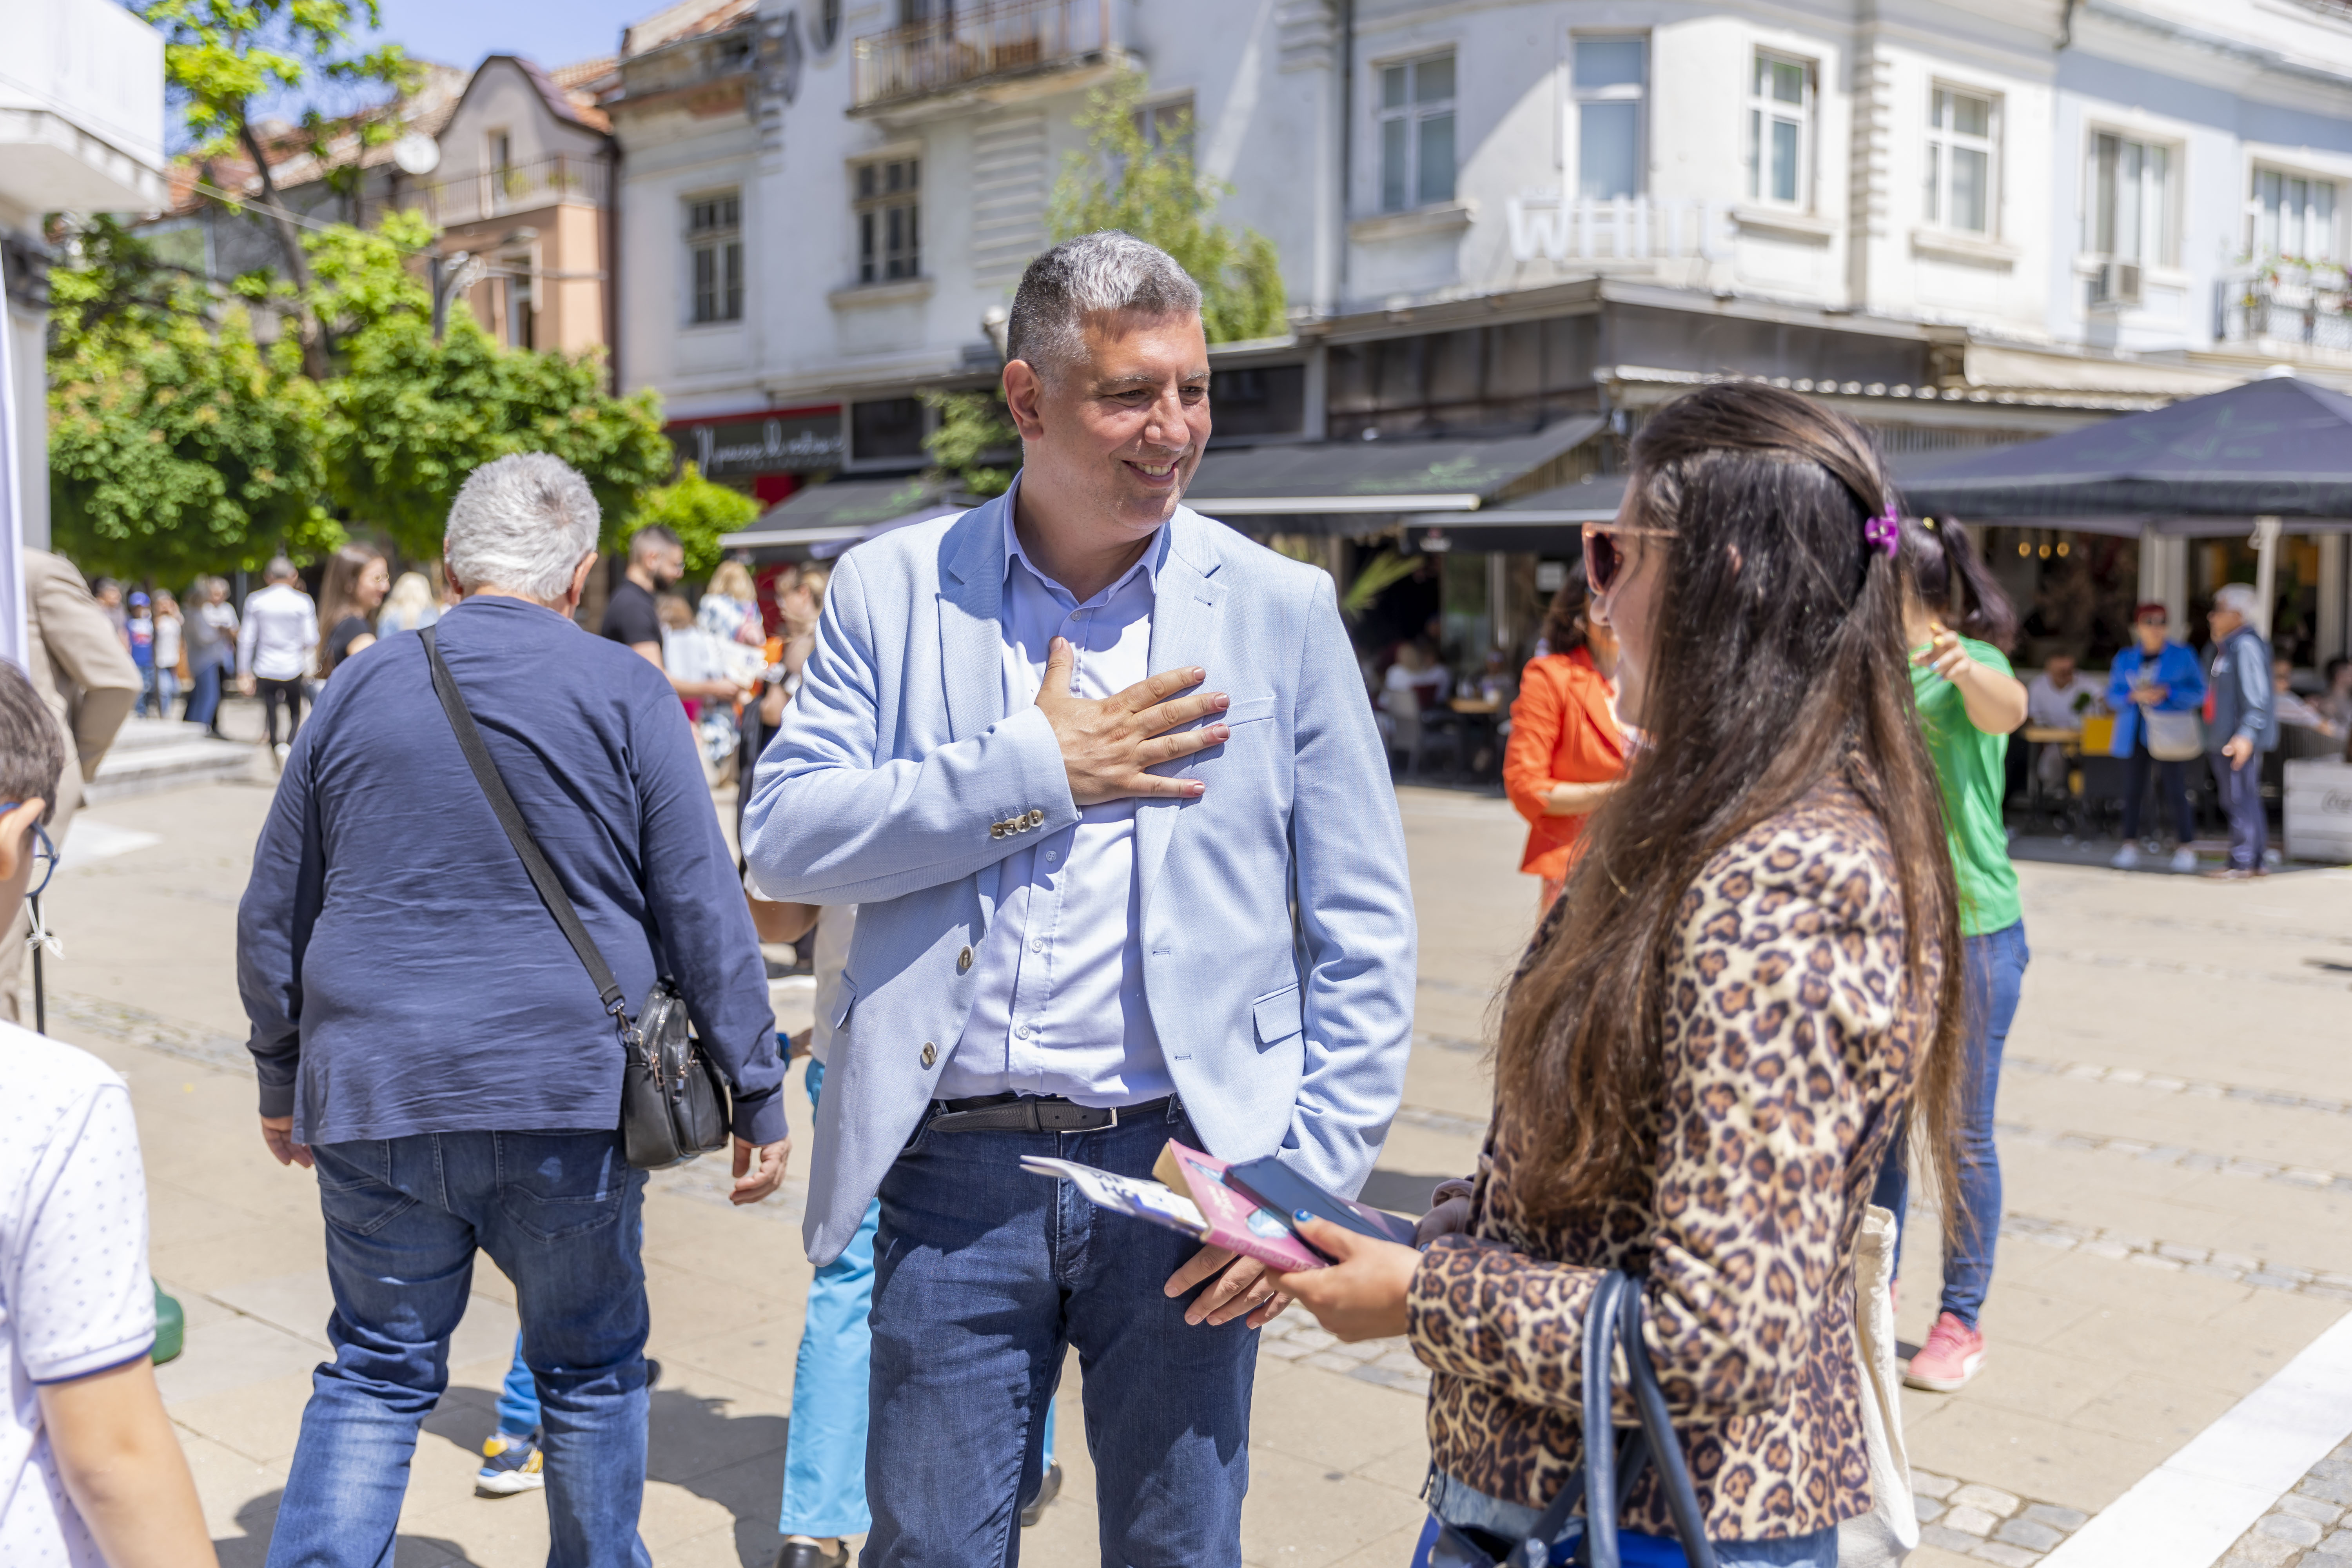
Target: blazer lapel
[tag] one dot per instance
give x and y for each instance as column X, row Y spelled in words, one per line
column 971, row 631
column 1186, row 604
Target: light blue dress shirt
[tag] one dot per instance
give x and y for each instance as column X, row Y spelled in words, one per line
column 1058, row 1002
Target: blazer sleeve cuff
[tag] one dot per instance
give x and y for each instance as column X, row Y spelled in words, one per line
column 759, row 1118
column 278, row 1099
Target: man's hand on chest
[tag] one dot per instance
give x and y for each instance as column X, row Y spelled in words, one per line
column 1107, row 745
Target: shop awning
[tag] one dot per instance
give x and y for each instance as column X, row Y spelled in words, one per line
column 1348, row 486
column 824, row 519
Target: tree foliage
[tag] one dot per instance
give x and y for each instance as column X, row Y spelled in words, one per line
column 699, row 510
column 973, row 431
column 1150, row 188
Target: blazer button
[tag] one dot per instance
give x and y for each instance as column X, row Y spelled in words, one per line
column 930, row 1053
column 1036, row 818
column 996, row 830
column 964, row 960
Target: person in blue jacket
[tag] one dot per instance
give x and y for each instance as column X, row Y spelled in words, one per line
column 2156, row 676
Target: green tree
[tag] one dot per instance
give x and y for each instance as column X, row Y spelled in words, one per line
column 221, row 56
column 1126, row 180
column 699, row 510
column 973, row 428
column 177, row 443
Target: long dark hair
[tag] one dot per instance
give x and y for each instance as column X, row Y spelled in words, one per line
column 1778, row 662
column 339, row 595
column 1957, row 588
column 1568, row 625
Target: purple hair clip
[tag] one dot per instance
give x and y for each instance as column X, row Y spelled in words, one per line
column 1882, row 530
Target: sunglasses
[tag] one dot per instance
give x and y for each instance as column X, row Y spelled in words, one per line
column 1605, row 555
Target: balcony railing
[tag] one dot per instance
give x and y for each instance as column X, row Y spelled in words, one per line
column 1625, row 228
column 519, row 187
column 2308, row 303
column 978, row 41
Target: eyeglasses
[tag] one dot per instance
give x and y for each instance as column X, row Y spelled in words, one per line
column 1604, row 557
column 45, row 854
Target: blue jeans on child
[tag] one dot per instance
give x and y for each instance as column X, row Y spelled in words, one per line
column 1996, row 972
column 560, row 1214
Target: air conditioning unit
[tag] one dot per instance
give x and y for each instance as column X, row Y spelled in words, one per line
column 2117, row 286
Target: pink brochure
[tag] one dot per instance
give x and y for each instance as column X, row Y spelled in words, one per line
column 1190, row 1196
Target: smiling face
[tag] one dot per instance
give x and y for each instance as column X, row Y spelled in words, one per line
column 1112, row 440
column 1630, row 607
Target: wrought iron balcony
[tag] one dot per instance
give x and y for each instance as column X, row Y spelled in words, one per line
column 978, row 42
column 2284, row 302
column 517, row 188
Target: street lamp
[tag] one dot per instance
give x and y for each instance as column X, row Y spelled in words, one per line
column 451, row 276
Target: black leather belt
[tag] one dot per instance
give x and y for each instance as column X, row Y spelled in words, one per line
column 1037, row 1113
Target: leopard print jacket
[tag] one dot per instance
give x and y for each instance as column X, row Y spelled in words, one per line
column 1789, row 1042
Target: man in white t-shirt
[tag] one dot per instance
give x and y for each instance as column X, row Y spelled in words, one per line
column 2058, row 699
column 90, row 1473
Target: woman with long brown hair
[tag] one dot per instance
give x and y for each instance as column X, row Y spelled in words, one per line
column 357, row 579
column 1749, row 978
column 1567, row 751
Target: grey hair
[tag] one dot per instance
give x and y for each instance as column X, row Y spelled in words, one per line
column 279, row 570
column 2239, row 598
column 1094, row 273
column 522, row 523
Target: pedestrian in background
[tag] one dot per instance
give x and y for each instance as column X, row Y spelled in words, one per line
column 443, row 1063
column 91, row 1475
column 409, row 607
column 633, row 617
column 1956, row 620
column 274, row 649
column 2294, row 710
column 2156, row 685
column 1567, row 751
column 2057, row 699
column 109, row 594
column 139, row 631
column 1707, row 1049
column 2240, row 723
column 356, row 581
column 170, row 648
column 212, row 651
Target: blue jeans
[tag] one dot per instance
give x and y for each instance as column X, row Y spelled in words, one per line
column 983, row 1275
column 1996, row 972
column 824, row 1447
column 560, row 1213
column 2242, row 799
column 205, row 696
column 519, row 1398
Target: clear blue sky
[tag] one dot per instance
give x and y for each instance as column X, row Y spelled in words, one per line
column 552, row 32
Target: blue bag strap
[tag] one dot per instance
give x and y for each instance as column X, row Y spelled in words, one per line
column 1657, row 1425
column 1600, row 1319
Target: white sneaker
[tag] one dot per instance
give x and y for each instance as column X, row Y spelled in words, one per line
column 2126, row 859
column 281, row 749
column 2184, row 860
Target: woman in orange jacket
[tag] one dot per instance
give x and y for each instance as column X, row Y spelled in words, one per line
column 1567, row 751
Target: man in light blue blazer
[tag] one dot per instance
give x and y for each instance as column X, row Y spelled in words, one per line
column 1102, row 777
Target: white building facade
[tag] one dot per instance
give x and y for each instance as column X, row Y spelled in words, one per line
column 1966, row 223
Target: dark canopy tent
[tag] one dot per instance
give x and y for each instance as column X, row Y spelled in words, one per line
column 1364, row 487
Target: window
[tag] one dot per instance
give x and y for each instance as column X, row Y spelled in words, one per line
column 1417, row 133
column 2294, row 216
column 1167, row 127
column 1608, row 79
column 829, row 25
column 886, row 427
column 522, row 316
column 714, row 237
column 2131, row 200
column 1961, row 162
column 889, row 220
column 1781, row 131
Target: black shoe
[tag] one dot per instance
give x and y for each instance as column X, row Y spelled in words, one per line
column 801, row 1554
column 1048, row 1490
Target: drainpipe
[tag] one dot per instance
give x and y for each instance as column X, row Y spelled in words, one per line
column 1347, row 139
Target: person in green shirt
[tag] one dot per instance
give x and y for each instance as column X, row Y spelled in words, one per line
column 1968, row 703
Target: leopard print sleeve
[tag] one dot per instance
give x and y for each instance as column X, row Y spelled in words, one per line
column 1784, row 984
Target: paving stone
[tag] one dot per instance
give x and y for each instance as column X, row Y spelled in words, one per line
column 1970, row 1521
column 2106, row 1249
column 2173, row 1249
column 1926, row 1483
column 1929, row 1510
column 2287, row 1527
column 2006, row 1555
column 2309, row 1508
column 2050, row 1514
column 2150, row 1261
column 2029, row 1534
column 2327, row 1489
column 1993, row 1500
column 2259, row 1550
column 2338, row 1544
column 1949, row 1540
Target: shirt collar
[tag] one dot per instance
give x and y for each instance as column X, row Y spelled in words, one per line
column 1149, row 564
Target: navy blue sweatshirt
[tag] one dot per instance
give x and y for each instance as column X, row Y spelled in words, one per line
column 400, row 970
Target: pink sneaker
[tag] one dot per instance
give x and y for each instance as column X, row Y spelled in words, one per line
column 1950, row 1357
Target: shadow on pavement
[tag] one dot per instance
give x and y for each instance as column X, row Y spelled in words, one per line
column 255, row 1519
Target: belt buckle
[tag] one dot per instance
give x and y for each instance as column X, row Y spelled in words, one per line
column 1114, row 1117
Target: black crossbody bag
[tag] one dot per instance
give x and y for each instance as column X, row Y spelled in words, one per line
column 673, row 1102
column 1611, row 1319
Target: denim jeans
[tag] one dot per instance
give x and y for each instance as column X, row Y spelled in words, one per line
column 983, row 1275
column 205, row 697
column 2241, row 798
column 1996, row 972
column 560, row 1213
column 825, row 1448
column 519, row 1398
column 2172, row 792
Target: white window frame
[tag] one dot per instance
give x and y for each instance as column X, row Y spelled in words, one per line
column 2159, row 238
column 2335, row 254
column 1942, row 142
column 1635, row 93
column 1763, row 109
column 879, row 263
column 1411, row 114
column 723, row 243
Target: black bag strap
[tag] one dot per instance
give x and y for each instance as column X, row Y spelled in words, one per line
column 542, row 875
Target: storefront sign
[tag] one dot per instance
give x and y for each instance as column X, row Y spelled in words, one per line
column 776, row 444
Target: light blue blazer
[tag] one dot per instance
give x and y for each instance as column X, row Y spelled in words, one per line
column 1277, row 914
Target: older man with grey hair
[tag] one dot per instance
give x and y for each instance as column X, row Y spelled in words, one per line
column 2244, row 726
column 427, row 1038
column 1101, row 776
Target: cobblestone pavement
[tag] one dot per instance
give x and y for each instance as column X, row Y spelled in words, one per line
column 2136, row 1297
column 2311, row 1525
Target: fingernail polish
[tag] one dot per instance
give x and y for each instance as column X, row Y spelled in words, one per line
column 1302, row 1215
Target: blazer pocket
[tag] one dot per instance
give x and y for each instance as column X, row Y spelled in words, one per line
column 1249, row 712
column 1278, row 1016
column 845, row 1002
